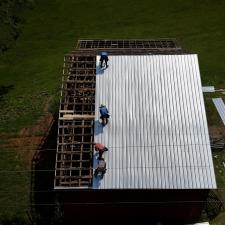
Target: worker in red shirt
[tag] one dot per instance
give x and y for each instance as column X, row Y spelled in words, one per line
column 100, row 148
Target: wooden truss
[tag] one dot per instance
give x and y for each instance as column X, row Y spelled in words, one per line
column 127, row 44
column 76, row 120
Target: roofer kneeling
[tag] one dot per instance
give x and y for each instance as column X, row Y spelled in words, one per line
column 100, row 148
column 101, row 169
column 104, row 114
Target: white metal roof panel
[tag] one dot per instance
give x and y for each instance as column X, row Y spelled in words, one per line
column 157, row 133
column 208, row 89
column 220, row 106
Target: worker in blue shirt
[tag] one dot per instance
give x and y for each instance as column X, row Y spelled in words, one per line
column 104, row 114
column 104, row 57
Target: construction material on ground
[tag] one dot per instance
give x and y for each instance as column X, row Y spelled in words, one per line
column 220, row 106
column 208, row 89
column 218, row 144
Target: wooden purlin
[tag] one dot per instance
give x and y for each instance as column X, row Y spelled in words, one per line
column 79, row 84
column 76, row 120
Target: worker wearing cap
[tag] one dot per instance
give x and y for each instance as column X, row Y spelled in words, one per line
column 104, row 111
column 104, row 57
column 100, row 148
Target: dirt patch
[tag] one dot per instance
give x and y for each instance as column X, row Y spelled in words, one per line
column 39, row 129
column 41, row 126
column 30, row 139
column 25, row 146
column 216, row 132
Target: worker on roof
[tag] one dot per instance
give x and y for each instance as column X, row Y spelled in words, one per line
column 101, row 169
column 104, row 58
column 100, row 148
column 104, row 114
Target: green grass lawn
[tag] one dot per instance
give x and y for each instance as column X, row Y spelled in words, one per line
column 31, row 71
column 33, row 67
column 15, row 188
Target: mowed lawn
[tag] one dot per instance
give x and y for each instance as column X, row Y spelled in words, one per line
column 30, row 72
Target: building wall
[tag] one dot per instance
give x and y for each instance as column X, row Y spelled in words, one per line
column 90, row 206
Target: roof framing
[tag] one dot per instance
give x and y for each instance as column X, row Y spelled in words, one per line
column 75, row 127
column 128, row 44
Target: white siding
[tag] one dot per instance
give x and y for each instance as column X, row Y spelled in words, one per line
column 157, row 133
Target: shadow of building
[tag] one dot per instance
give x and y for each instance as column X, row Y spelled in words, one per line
column 44, row 203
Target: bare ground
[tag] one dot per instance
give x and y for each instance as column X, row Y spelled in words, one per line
column 217, row 132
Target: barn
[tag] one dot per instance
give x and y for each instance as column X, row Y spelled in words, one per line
column 159, row 161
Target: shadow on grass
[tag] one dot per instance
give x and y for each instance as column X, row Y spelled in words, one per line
column 44, row 203
column 214, row 206
column 12, row 221
column 5, row 90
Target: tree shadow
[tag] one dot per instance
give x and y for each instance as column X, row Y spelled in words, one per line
column 44, row 203
column 4, row 89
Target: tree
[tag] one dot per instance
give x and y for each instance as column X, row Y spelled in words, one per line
column 11, row 21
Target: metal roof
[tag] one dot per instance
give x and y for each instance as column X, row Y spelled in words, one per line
column 157, row 134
